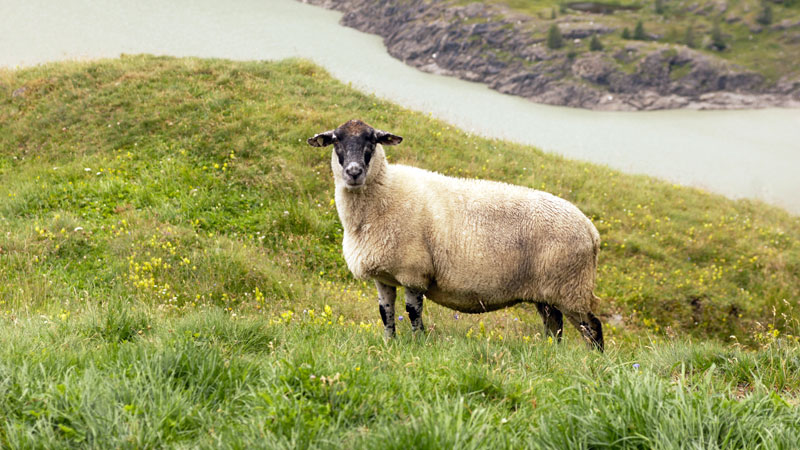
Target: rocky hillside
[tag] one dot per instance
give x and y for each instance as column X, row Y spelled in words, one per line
column 596, row 55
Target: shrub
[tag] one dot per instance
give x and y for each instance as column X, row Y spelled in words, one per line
column 595, row 45
column 765, row 16
column 689, row 38
column 717, row 39
column 639, row 33
column 554, row 39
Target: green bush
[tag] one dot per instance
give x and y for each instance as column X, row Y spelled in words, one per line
column 554, row 39
column 717, row 39
column 595, row 45
column 765, row 15
column 689, row 38
column 638, row 33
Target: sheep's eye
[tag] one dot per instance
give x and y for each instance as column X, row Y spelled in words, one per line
column 367, row 156
column 339, row 154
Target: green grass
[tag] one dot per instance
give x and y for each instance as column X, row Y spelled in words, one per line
column 207, row 378
column 172, row 276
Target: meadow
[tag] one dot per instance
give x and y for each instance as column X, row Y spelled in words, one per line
column 171, row 276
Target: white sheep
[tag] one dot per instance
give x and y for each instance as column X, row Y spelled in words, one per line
column 469, row 245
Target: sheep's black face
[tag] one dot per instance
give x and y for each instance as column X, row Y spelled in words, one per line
column 354, row 143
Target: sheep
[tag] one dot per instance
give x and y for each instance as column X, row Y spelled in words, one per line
column 469, row 245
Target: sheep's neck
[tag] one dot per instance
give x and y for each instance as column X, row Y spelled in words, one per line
column 355, row 207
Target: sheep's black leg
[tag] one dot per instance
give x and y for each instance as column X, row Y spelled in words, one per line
column 386, row 297
column 590, row 327
column 597, row 332
column 553, row 320
column 414, row 309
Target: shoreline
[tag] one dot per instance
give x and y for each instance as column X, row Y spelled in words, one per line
column 471, row 43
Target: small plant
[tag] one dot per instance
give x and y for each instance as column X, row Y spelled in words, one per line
column 765, row 15
column 554, row 39
column 553, row 14
column 717, row 39
column 638, row 33
column 659, row 7
column 595, row 45
column 689, row 38
column 626, row 33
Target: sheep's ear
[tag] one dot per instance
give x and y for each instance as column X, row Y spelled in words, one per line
column 322, row 139
column 387, row 138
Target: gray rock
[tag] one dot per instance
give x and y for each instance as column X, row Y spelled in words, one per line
column 615, row 320
column 788, row 85
column 731, row 18
column 785, row 24
column 582, row 30
column 594, row 67
column 536, row 52
column 628, row 54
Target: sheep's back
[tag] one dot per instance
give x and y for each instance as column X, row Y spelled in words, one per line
column 497, row 243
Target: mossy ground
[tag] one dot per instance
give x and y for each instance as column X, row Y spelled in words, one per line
column 172, row 275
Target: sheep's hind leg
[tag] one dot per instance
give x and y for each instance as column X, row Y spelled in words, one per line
column 386, row 297
column 414, row 309
column 589, row 326
column 553, row 320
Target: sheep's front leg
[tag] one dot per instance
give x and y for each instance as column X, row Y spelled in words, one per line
column 553, row 320
column 386, row 297
column 414, row 308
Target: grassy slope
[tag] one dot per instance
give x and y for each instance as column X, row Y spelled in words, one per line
column 768, row 52
column 169, row 245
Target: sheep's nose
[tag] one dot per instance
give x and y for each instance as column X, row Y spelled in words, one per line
column 353, row 171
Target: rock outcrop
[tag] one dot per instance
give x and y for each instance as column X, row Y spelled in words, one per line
column 478, row 42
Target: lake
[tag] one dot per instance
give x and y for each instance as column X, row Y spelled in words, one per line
column 752, row 153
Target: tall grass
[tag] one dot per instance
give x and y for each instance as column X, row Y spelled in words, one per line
column 210, row 378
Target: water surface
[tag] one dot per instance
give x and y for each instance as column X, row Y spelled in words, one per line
column 736, row 153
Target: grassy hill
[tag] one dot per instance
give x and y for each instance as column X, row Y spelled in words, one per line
column 172, row 275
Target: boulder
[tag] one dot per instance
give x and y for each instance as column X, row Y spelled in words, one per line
column 582, row 30
column 785, row 24
column 594, row 67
